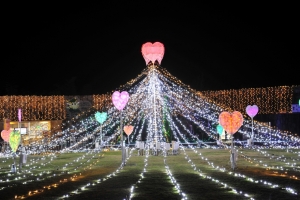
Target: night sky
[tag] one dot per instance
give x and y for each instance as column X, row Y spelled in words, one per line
column 88, row 49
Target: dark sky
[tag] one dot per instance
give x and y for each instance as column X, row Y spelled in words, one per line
column 94, row 48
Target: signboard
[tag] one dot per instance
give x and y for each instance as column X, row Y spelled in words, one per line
column 295, row 108
column 23, row 130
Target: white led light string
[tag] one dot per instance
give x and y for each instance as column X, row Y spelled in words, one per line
column 96, row 182
column 263, row 182
column 292, row 166
column 182, row 99
column 33, row 164
column 271, row 185
column 223, row 184
column 69, row 171
column 134, row 186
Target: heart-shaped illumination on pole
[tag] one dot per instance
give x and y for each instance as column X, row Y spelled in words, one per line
column 5, row 135
column 128, row 130
column 219, row 129
column 19, row 125
column 231, row 122
column 252, row 111
column 101, row 117
column 120, row 100
column 14, row 140
column 6, row 132
column 153, row 52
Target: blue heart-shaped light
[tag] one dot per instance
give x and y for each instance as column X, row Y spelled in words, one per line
column 101, row 117
column 219, row 129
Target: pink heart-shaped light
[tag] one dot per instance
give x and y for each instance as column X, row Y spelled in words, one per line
column 231, row 122
column 5, row 135
column 152, row 52
column 120, row 99
column 252, row 110
column 128, row 129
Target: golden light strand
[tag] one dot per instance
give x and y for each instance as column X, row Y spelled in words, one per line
column 270, row 100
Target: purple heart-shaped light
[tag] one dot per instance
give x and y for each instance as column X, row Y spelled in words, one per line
column 252, row 110
column 120, row 99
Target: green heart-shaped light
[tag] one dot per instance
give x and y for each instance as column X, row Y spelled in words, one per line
column 101, row 117
column 14, row 140
column 219, row 129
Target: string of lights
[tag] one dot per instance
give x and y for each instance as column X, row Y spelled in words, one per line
column 155, row 96
column 270, row 100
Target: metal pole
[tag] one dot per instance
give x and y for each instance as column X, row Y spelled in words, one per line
column 21, row 145
column 231, row 142
column 101, row 137
column 128, row 141
column 232, row 154
column 252, row 142
column 154, row 108
column 121, row 133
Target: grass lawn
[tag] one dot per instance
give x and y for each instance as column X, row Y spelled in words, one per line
column 192, row 174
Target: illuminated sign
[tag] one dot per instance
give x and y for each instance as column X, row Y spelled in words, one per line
column 295, row 108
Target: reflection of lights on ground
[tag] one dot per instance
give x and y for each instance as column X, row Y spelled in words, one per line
column 268, row 170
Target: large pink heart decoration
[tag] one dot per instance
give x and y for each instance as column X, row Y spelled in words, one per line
column 120, row 99
column 128, row 129
column 5, row 135
column 152, row 52
column 231, row 122
column 252, row 110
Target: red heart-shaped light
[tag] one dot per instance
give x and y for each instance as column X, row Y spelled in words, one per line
column 128, row 129
column 231, row 122
column 152, row 52
column 5, row 135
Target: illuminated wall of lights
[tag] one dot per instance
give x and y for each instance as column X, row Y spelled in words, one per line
column 102, row 102
column 33, row 107
column 270, row 100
